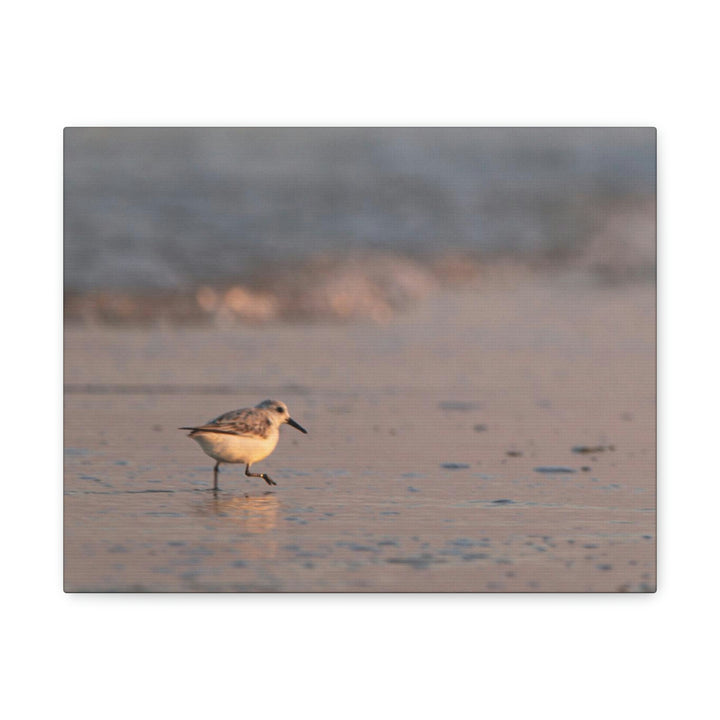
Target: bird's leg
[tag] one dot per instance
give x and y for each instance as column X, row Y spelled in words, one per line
column 265, row 477
column 215, row 474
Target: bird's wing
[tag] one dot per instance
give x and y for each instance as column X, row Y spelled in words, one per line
column 233, row 415
column 248, row 421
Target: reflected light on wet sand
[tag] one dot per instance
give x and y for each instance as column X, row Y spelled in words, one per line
column 252, row 513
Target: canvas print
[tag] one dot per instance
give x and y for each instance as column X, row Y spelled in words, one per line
column 359, row 360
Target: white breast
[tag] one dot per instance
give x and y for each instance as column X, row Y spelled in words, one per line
column 236, row 448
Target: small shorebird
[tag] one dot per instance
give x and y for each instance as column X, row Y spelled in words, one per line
column 243, row 436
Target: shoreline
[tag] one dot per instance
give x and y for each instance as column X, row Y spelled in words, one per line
column 437, row 457
column 356, row 286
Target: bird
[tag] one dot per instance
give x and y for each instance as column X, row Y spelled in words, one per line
column 247, row 436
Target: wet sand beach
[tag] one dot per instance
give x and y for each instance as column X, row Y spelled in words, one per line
column 495, row 439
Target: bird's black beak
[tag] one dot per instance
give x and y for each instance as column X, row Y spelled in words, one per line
column 290, row 421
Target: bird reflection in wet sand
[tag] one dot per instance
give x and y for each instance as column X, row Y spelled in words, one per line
column 252, row 514
column 244, row 436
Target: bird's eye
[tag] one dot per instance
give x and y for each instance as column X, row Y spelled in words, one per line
column 279, row 409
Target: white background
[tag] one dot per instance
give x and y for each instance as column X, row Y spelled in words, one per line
column 348, row 656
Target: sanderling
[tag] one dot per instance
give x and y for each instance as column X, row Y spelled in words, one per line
column 243, row 436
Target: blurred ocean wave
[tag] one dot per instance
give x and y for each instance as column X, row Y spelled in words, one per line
column 359, row 285
column 265, row 223
column 170, row 207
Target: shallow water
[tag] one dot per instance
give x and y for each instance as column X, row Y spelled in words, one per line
column 156, row 526
column 394, row 488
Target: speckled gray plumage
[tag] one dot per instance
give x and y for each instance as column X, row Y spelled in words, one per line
column 258, row 421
